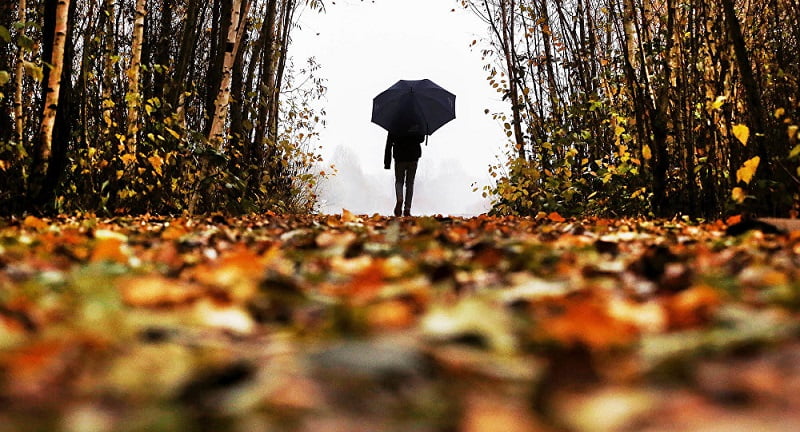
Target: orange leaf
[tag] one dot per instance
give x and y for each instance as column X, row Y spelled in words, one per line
column 173, row 232
column 34, row 222
column 733, row 220
column 587, row 321
column 108, row 249
column 157, row 291
column 366, row 285
column 348, row 216
column 692, row 307
column 555, row 217
column 394, row 314
column 237, row 274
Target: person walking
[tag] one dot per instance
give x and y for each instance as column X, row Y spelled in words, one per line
column 407, row 151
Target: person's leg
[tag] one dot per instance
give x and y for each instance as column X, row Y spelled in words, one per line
column 411, row 172
column 399, row 177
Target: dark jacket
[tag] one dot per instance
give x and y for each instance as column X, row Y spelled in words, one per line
column 406, row 148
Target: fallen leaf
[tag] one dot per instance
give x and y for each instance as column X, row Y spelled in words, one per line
column 158, row 291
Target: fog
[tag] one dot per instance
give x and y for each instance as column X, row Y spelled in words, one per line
column 365, row 47
column 441, row 187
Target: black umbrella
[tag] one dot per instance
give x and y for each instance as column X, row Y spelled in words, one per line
column 419, row 105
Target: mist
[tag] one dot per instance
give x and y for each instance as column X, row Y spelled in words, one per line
column 442, row 186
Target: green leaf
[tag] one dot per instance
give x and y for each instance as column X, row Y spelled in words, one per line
column 4, row 34
column 4, row 77
column 26, row 42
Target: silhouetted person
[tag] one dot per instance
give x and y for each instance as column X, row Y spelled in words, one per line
column 407, row 151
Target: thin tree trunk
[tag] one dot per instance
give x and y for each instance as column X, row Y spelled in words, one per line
column 185, row 54
column 752, row 93
column 108, row 70
column 50, row 157
column 216, row 135
column 19, row 115
column 133, row 98
column 507, row 22
column 220, row 28
column 163, row 50
column 53, row 88
column 285, row 26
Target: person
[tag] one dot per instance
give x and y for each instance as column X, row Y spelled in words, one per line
column 407, row 151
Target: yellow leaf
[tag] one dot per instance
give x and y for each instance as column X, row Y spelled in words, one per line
column 779, row 112
column 792, row 131
column 738, row 195
column 748, row 170
column 717, row 104
column 127, row 158
column 34, row 222
column 173, row 133
column 156, row 162
column 742, row 133
column 646, row 153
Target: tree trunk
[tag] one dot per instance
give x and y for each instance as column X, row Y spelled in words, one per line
column 274, row 111
column 133, row 98
column 216, row 135
column 185, row 54
column 507, row 24
column 19, row 115
column 50, row 159
column 53, row 82
column 751, row 90
column 220, row 28
column 268, row 65
column 162, row 57
column 108, row 70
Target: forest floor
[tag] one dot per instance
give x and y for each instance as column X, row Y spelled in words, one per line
column 366, row 323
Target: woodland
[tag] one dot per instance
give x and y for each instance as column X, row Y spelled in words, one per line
column 630, row 107
column 164, row 265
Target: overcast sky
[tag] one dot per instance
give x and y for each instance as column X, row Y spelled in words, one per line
column 364, row 48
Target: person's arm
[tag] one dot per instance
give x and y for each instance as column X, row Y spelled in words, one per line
column 387, row 153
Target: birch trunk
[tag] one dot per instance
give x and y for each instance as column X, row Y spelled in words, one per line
column 133, row 98
column 54, row 80
column 629, row 27
column 108, row 69
column 216, row 135
column 19, row 116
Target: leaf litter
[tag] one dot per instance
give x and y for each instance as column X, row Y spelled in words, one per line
column 363, row 323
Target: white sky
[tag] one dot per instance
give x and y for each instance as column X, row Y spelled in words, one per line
column 364, row 48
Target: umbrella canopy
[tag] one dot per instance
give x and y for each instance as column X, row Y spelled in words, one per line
column 418, row 106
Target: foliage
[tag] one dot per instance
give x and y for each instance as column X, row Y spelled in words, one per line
column 336, row 322
column 264, row 161
column 562, row 181
column 691, row 84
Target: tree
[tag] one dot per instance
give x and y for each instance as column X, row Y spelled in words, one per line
column 642, row 106
column 222, row 103
column 133, row 97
